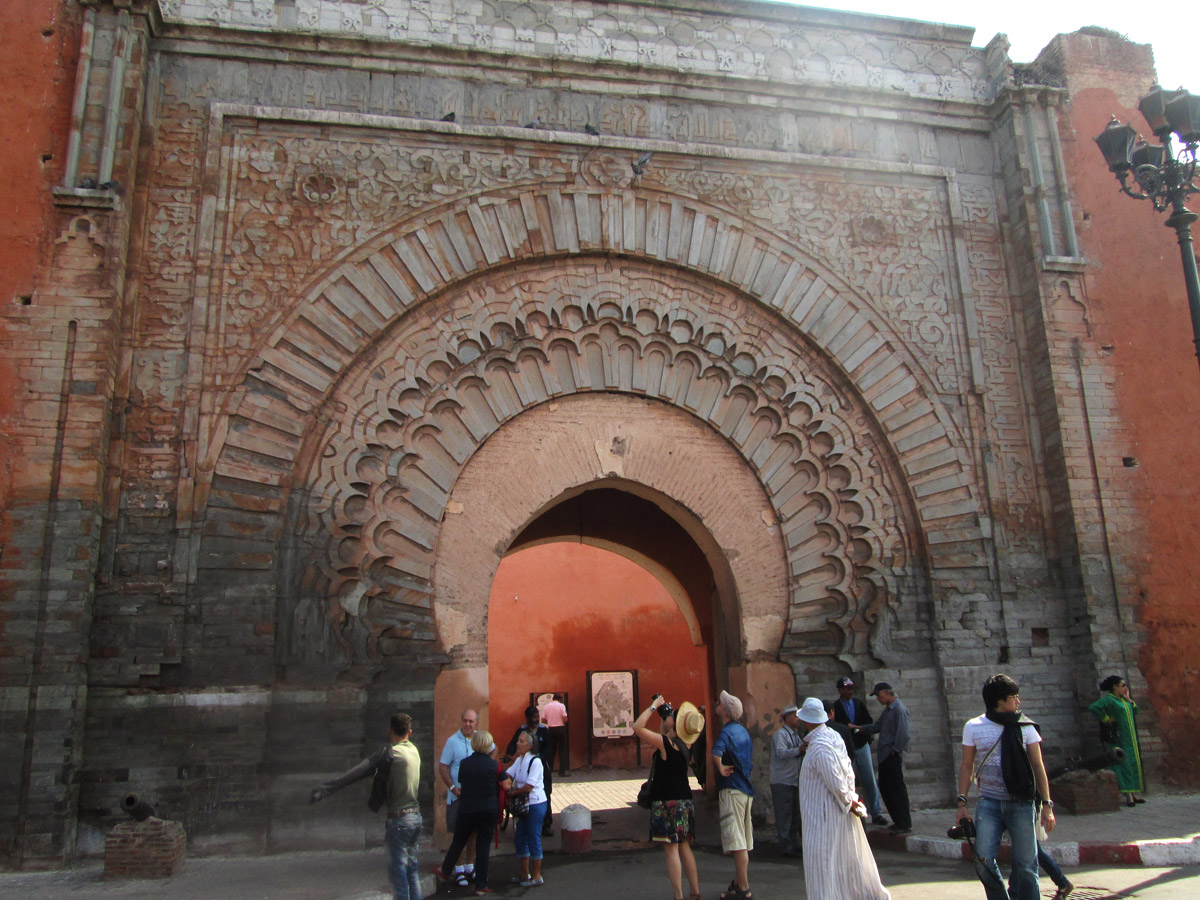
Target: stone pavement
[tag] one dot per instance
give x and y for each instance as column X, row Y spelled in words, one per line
column 1165, row 832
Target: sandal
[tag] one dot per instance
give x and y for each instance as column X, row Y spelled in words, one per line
column 735, row 893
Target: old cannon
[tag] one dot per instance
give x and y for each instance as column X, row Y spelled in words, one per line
column 138, row 809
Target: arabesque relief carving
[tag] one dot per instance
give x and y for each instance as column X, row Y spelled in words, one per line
column 299, row 202
column 403, row 422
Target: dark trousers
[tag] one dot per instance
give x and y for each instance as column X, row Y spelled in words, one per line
column 559, row 733
column 482, row 825
column 548, row 787
column 894, row 791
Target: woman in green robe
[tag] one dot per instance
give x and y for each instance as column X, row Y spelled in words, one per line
column 1118, row 727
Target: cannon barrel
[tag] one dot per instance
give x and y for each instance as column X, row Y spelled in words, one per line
column 138, row 808
column 1110, row 757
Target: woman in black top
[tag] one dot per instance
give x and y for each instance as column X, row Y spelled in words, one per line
column 479, row 809
column 672, row 817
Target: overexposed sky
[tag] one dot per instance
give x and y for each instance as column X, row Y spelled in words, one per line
column 1030, row 26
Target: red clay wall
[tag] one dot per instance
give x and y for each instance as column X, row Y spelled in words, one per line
column 558, row 611
column 1137, row 285
column 38, row 45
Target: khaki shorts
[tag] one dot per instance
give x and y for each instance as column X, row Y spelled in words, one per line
column 736, row 830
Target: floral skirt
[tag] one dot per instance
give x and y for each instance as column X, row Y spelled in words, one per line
column 672, row 821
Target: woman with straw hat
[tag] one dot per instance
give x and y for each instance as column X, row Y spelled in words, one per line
column 672, row 817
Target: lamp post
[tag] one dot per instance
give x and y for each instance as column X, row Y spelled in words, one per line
column 1160, row 175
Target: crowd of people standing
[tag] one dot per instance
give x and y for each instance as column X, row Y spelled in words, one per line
column 823, row 784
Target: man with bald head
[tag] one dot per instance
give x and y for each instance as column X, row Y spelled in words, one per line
column 458, row 748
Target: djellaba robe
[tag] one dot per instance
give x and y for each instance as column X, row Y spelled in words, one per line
column 1111, row 708
column 838, row 864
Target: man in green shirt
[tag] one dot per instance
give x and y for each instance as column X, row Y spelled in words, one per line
column 403, row 814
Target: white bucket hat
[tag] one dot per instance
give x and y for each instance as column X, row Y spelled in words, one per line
column 813, row 711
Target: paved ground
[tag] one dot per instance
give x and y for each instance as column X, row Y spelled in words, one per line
column 624, row 866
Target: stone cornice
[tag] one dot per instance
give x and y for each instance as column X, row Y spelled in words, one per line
column 753, row 41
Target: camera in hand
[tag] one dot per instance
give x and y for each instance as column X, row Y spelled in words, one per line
column 665, row 711
column 964, row 830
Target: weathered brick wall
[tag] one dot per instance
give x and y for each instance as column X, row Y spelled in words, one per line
column 64, row 344
column 32, row 144
column 1148, row 421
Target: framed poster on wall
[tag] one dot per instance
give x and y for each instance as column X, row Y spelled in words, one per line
column 612, row 696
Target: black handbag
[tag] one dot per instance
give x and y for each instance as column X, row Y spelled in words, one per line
column 643, row 796
column 517, row 805
column 1109, row 733
column 379, row 782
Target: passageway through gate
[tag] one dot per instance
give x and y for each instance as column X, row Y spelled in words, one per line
column 603, row 581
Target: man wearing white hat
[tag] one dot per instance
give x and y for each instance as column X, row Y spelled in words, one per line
column 733, row 761
column 837, row 858
column 786, row 747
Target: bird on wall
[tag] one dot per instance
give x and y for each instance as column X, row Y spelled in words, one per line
column 642, row 163
column 448, row 117
column 591, row 129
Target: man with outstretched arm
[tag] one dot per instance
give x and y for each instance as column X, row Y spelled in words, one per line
column 403, row 829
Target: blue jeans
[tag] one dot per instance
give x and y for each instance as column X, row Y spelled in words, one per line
column 528, row 836
column 992, row 818
column 864, row 768
column 1050, row 867
column 403, row 833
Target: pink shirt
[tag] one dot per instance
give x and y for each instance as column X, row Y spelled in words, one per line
column 554, row 714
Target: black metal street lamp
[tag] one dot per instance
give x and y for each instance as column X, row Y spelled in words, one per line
column 1162, row 176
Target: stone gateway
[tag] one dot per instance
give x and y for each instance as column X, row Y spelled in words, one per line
column 344, row 299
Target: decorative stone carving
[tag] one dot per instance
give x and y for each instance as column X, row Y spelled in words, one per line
column 406, row 418
column 854, row 225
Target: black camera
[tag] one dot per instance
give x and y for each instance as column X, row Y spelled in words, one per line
column 963, row 831
column 666, row 711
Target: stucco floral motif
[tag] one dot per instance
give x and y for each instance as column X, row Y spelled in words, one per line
column 300, row 201
column 890, row 242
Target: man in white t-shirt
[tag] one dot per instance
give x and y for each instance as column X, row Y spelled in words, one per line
column 1002, row 751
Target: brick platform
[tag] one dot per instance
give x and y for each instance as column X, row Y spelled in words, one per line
column 1087, row 792
column 154, row 848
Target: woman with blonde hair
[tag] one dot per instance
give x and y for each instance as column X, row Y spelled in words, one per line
column 527, row 778
column 479, row 780
column 672, row 816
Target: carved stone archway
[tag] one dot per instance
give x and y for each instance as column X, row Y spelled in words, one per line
column 407, row 417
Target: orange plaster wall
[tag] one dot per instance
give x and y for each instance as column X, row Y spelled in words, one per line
column 560, row 610
column 1139, row 285
column 38, row 47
